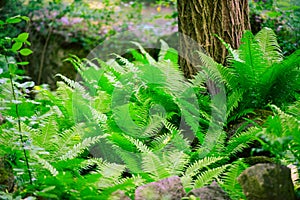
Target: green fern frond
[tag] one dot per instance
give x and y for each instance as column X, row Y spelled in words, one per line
column 176, row 162
column 98, row 117
column 206, row 177
column 251, row 54
column 152, row 164
column 110, row 173
column 46, row 165
column 240, row 141
column 268, row 43
column 147, row 55
column 111, row 66
column 218, row 73
column 233, row 100
column 167, row 53
column 229, row 180
column 78, row 148
column 233, row 54
column 161, row 141
column 163, row 50
column 190, row 110
column 75, row 85
column 240, row 114
column 45, row 135
column 128, row 66
column 195, row 168
column 178, row 142
column 140, row 146
column 133, row 160
column 154, row 126
column 68, row 138
column 137, row 180
column 76, row 62
column 123, row 118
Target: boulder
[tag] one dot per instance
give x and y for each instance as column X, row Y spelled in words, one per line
column 2, row 119
column 267, row 181
column 119, row 195
column 170, row 188
column 211, row 192
column 6, row 176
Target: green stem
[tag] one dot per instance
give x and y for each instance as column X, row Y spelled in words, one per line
column 19, row 126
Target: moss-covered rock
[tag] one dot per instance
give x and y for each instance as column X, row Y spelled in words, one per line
column 267, row 181
column 6, row 176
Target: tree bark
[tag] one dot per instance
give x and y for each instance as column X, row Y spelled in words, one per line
column 199, row 20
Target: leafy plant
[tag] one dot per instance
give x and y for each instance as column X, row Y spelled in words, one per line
column 124, row 98
column 257, row 74
column 121, row 125
column 282, row 17
column 280, row 134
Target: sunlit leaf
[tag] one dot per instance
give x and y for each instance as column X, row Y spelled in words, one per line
column 25, row 52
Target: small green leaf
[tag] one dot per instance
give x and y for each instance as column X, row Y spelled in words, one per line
column 28, row 43
column 23, row 63
column 25, row 18
column 13, row 20
column 16, row 46
column 25, row 52
column 1, row 22
column 12, row 68
column 23, row 37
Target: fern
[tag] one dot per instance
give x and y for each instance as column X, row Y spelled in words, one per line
column 154, row 166
column 78, row 148
column 280, row 135
column 207, row 176
column 46, row 165
column 229, row 180
column 193, row 169
column 140, row 146
column 240, row 141
column 176, row 161
column 268, row 43
column 257, row 73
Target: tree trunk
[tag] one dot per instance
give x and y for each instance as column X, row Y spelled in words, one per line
column 199, row 20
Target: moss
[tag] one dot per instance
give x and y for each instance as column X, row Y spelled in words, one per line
column 253, row 160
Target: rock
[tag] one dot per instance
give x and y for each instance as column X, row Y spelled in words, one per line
column 267, row 181
column 253, row 160
column 211, row 192
column 119, row 195
column 169, row 189
column 2, row 119
column 6, row 176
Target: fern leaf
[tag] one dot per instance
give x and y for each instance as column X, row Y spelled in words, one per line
column 194, row 169
column 75, row 85
column 161, row 141
column 206, row 177
column 240, row 141
column 110, row 173
column 132, row 160
column 230, row 183
column 177, row 160
column 128, row 65
column 163, row 50
column 141, row 147
column 149, row 58
column 46, row 165
column 268, row 43
column 153, row 165
column 78, row 148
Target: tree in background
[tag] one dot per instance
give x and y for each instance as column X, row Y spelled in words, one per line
column 199, row 20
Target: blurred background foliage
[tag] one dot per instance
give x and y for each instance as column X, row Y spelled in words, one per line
column 58, row 28
column 283, row 16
